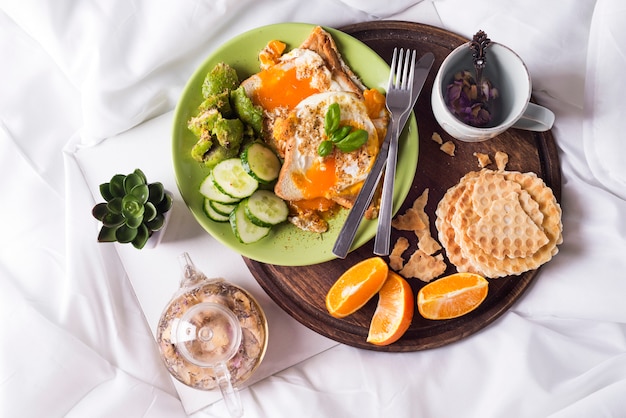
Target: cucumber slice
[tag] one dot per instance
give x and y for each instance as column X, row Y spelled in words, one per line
column 212, row 213
column 223, row 208
column 230, row 178
column 261, row 162
column 264, row 208
column 245, row 231
column 210, row 191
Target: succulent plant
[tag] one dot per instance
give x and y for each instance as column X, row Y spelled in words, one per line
column 133, row 211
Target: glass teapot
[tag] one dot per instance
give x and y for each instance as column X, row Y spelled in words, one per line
column 212, row 334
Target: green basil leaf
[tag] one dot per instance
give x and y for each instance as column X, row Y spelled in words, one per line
column 332, row 119
column 353, row 141
column 340, row 134
column 325, row 148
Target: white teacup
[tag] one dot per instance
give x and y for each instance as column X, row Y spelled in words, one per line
column 508, row 74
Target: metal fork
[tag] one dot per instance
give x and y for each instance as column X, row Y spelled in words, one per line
column 399, row 104
column 348, row 231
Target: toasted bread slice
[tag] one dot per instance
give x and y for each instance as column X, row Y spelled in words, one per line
column 317, row 67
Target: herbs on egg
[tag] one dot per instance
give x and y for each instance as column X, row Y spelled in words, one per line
column 345, row 138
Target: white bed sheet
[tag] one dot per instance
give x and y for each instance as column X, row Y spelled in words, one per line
column 80, row 78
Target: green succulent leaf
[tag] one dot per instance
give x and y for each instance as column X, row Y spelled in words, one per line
column 141, row 192
column 125, row 234
column 156, row 192
column 165, row 204
column 150, row 212
column 143, row 233
column 132, row 207
column 131, row 181
column 132, row 210
column 99, row 211
column 115, row 205
column 116, row 185
column 141, row 175
column 134, row 222
column 157, row 223
column 105, row 191
column 112, row 220
column 107, row 234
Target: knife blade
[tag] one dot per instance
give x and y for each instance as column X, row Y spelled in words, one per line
column 348, row 231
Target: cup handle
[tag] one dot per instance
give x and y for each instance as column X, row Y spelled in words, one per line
column 535, row 118
column 229, row 393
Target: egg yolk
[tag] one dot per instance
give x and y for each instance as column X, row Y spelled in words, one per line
column 270, row 54
column 320, row 204
column 317, row 181
column 282, row 88
column 374, row 102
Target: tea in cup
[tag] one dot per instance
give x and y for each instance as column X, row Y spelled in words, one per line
column 511, row 106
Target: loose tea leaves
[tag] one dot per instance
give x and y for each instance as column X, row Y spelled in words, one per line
column 470, row 102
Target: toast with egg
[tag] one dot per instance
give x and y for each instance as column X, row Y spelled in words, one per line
column 316, row 66
column 295, row 90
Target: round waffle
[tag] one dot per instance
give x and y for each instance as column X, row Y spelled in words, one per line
column 499, row 223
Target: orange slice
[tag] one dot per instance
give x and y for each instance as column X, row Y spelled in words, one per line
column 394, row 311
column 356, row 286
column 452, row 296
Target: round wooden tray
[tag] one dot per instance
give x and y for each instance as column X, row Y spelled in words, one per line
column 301, row 291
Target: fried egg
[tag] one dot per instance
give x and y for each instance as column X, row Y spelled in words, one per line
column 337, row 177
column 295, row 89
column 295, row 76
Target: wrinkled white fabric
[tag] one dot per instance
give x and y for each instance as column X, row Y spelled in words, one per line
column 604, row 92
column 77, row 340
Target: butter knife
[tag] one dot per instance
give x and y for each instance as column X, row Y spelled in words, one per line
column 363, row 200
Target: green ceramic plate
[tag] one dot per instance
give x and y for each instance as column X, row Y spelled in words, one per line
column 286, row 244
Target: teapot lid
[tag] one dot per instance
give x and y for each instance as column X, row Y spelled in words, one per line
column 207, row 334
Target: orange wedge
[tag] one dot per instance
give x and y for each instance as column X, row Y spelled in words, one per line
column 356, row 286
column 452, row 296
column 394, row 311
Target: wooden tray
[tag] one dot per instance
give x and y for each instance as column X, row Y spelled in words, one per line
column 301, row 291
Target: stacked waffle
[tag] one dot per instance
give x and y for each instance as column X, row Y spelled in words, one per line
column 499, row 223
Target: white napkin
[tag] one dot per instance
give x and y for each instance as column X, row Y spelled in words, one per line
column 604, row 141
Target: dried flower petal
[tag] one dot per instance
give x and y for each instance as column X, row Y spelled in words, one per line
column 465, row 102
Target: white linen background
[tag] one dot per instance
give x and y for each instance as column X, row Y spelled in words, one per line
column 75, row 342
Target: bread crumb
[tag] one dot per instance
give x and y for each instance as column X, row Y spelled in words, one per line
column 396, row 262
column 483, row 159
column 448, row 147
column 409, row 221
column 502, row 159
column 423, row 266
column 437, row 138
